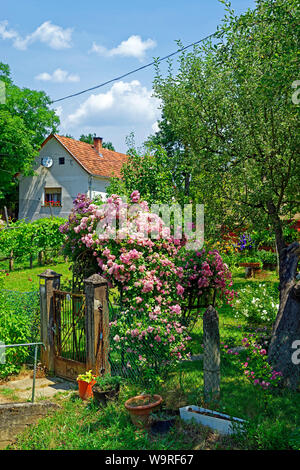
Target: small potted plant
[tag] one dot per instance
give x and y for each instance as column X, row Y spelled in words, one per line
column 162, row 421
column 85, row 384
column 141, row 406
column 106, row 388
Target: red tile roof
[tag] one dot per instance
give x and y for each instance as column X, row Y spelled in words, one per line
column 107, row 165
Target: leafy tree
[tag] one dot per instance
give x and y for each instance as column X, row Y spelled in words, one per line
column 89, row 139
column 178, row 159
column 25, row 121
column 231, row 105
column 156, row 170
column 16, row 151
column 69, row 136
column 147, row 171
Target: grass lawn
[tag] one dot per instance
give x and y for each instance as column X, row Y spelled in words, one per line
column 24, row 279
column 83, row 426
column 273, row 417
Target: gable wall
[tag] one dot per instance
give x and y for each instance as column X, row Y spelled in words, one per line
column 71, row 177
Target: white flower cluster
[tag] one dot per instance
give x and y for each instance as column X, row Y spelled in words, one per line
column 257, row 304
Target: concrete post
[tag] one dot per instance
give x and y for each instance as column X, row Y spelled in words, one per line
column 49, row 280
column 97, row 324
column 211, row 360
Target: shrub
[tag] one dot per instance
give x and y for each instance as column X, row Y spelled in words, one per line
column 150, row 274
column 14, row 329
column 108, row 382
column 206, row 280
column 19, row 323
column 256, row 367
column 267, row 257
column 31, row 238
column 142, row 269
column 257, row 304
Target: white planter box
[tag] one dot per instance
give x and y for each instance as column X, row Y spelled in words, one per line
column 222, row 426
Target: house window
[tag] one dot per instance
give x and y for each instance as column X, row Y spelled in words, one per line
column 52, row 197
column 61, row 160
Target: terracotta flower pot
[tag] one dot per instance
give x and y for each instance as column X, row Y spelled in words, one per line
column 139, row 413
column 85, row 389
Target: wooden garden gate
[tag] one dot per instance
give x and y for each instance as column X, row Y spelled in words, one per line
column 69, row 334
column 74, row 326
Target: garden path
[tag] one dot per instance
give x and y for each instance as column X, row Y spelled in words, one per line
column 45, row 388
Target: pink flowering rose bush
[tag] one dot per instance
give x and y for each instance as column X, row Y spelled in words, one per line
column 254, row 364
column 154, row 273
column 142, row 268
column 206, row 280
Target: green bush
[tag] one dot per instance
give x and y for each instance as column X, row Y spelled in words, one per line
column 267, row 237
column 270, row 434
column 257, row 304
column 267, row 257
column 29, row 239
column 19, row 323
column 108, row 382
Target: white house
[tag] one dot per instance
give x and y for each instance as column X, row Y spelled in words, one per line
column 64, row 168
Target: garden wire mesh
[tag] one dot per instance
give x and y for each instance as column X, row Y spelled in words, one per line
column 26, row 304
column 125, row 362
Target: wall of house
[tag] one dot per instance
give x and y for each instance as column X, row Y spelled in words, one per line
column 70, row 177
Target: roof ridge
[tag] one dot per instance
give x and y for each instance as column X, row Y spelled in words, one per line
column 106, row 166
column 91, row 145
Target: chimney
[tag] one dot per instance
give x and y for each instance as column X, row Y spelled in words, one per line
column 98, row 144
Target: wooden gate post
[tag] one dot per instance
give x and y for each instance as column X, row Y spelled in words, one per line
column 97, row 324
column 49, row 280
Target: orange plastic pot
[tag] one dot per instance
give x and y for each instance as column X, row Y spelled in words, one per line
column 85, row 389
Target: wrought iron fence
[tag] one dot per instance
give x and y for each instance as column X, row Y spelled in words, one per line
column 69, row 319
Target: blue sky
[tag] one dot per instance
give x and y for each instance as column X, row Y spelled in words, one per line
column 65, row 46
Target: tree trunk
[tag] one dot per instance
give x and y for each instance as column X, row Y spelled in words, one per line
column 280, row 243
column 286, row 328
column 289, row 258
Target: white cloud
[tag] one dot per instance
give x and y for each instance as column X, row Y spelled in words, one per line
column 7, row 33
column 54, row 36
column 125, row 104
column 134, row 46
column 59, row 111
column 155, row 127
column 58, row 76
